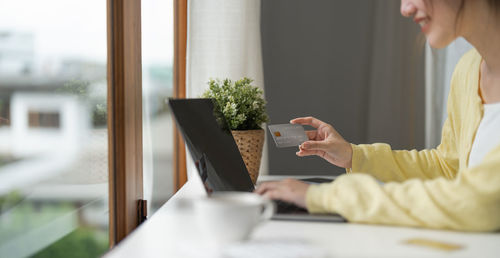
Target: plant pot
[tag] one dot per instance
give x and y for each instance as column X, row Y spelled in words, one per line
column 250, row 143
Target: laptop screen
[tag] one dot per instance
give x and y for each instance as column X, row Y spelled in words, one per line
column 211, row 145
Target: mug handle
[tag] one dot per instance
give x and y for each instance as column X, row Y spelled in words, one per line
column 268, row 211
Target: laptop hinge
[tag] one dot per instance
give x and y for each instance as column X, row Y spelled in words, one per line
column 201, row 165
column 142, row 211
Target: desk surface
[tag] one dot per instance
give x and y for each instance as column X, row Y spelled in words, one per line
column 170, row 233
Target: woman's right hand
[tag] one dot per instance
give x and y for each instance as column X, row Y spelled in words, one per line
column 325, row 142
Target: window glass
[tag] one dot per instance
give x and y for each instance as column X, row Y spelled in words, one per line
column 53, row 133
column 157, row 87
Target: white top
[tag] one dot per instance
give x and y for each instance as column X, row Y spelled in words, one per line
column 487, row 135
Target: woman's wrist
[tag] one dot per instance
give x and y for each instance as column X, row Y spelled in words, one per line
column 349, row 155
column 347, row 152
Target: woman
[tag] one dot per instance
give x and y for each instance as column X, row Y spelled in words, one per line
column 455, row 186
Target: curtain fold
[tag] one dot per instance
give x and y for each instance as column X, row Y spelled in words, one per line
column 223, row 41
column 395, row 86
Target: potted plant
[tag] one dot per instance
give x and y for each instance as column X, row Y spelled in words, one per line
column 244, row 110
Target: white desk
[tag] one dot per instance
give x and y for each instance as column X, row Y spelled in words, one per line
column 170, row 232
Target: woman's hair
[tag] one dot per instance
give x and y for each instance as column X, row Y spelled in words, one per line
column 495, row 4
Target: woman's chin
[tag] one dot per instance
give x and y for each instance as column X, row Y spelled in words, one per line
column 437, row 42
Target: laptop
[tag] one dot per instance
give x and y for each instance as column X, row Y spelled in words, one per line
column 217, row 158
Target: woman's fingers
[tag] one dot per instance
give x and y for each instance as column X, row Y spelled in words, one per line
column 307, row 121
column 274, row 195
column 297, row 120
column 266, row 186
column 288, row 190
column 315, row 145
column 272, row 190
column 305, row 153
column 311, row 134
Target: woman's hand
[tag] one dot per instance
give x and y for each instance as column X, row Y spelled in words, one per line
column 325, row 142
column 288, row 190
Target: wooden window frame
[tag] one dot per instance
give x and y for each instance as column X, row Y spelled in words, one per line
column 124, row 116
column 125, row 111
column 180, row 46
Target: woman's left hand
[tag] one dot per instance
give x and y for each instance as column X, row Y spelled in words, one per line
column 288, row 190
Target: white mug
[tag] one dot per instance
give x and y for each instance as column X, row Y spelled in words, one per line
column 227, row 217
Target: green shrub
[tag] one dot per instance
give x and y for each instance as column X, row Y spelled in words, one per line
column 242, row 104
column 81, row 243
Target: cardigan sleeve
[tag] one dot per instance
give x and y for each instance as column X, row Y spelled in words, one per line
column 387, row 165
column 469, row 202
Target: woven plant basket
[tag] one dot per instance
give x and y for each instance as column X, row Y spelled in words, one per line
column 250, row 143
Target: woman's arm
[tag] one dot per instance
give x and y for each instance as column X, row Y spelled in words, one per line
column 470, row 202
column 387, row 165
column 379, row 159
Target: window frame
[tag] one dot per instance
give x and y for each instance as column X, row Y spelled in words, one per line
column 180, row 46
column 125, row 111
column 124, row 116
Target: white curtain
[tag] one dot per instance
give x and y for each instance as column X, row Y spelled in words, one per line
column 440, row 65
column 223, row 41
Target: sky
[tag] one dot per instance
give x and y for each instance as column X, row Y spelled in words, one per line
column 77, row 29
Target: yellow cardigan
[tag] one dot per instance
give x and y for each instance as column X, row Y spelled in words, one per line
column 429, row 188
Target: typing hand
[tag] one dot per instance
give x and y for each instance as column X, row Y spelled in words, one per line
column 325, row 142
column 288, row 190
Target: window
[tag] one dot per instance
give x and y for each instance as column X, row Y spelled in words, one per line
column 53, row 129
column 157, row 87
column 70, row 111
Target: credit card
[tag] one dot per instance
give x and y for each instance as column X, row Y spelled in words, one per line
column 443, row 246
column 288, row 135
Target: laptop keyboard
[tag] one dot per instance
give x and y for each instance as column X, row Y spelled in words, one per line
column 287, row 208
